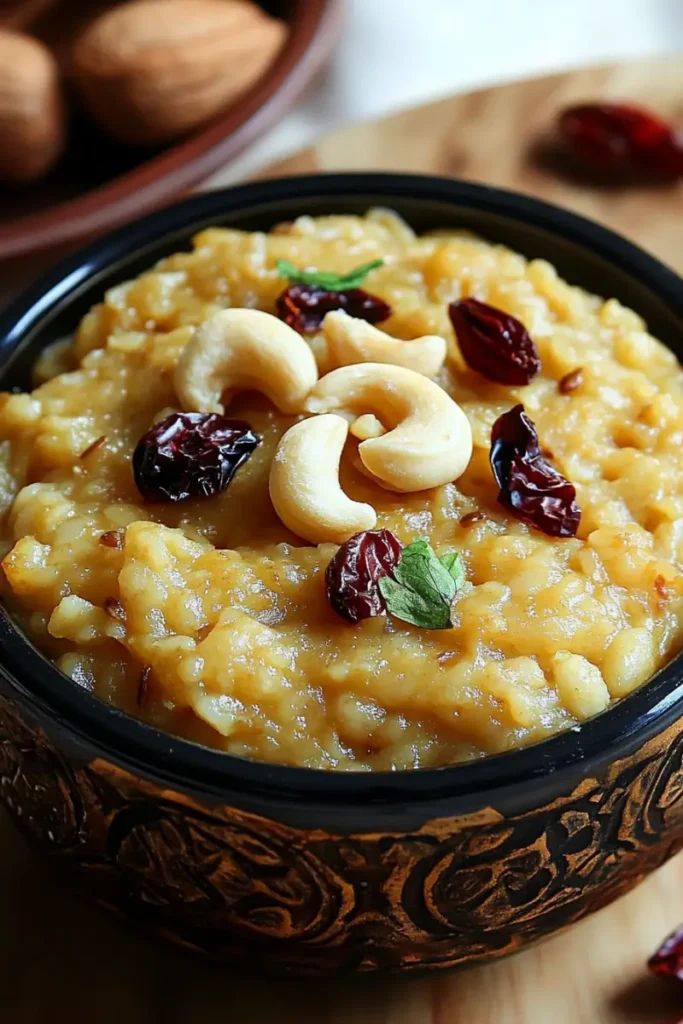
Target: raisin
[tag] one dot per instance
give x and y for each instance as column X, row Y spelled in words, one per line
column 352, row 577
column 530, row 487
column 304, row 306
column 668, row 959
column 494, row 343
column 617, row 136
column 191, row 455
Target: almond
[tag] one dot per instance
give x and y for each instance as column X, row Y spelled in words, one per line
column 32, row 122
column 153, row 69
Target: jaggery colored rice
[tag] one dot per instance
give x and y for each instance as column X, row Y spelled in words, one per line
column 209, row 620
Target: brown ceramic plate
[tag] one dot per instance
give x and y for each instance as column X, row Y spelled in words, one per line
column 100, row 184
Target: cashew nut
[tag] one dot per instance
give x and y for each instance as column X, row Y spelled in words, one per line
column 304, row 483
column 351, row 340
column 244, row 349
column 428, row 440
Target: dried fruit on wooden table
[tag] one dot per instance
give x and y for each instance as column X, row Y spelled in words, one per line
column 619, row 136
column 494, row 343
column 312, row 294
column 32, row 124
column 352, row 576
column 191, row 455
column 530, row 487
column 151, row 70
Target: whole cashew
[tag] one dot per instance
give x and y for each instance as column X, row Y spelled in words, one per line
column 244, row 349
column 350, row 340
column 428, row 441
column 304, row 483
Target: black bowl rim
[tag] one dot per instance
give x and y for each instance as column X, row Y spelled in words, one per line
column 152, row 753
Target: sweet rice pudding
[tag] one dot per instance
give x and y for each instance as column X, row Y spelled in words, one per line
column 213, row 615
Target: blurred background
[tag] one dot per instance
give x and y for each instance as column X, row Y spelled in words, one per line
column 110, row 108
column 397, row 53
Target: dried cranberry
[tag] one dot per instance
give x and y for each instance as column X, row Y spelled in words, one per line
column 530, row 487
column 191, row 455
column 616, row 136
column 304, row 306
column 494, row 343
column 668, row 959
column 353, row 575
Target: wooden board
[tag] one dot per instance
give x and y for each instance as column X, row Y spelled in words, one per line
column 495, row 136
column 62, row 962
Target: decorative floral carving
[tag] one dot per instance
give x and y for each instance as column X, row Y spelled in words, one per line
column 233, row 884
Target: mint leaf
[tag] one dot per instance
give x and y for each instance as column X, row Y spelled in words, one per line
column 453, row 562
column 326, row 279
column 423, row 586
column 288, row 270
column 405, row 604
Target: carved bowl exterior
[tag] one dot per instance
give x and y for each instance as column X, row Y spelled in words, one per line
column 312, row 873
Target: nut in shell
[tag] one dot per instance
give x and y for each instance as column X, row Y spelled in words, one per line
column 150, row 70
column 32, row 123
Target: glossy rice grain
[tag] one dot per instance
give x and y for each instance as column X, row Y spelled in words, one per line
column 223, row 614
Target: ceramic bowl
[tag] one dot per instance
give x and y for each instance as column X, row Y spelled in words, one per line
column 306, row 872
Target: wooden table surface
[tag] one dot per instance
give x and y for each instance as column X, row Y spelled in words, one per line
column 60, row 961
column 499, row 136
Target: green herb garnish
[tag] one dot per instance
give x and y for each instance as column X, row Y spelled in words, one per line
column 325, row 279
column 423, row 586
